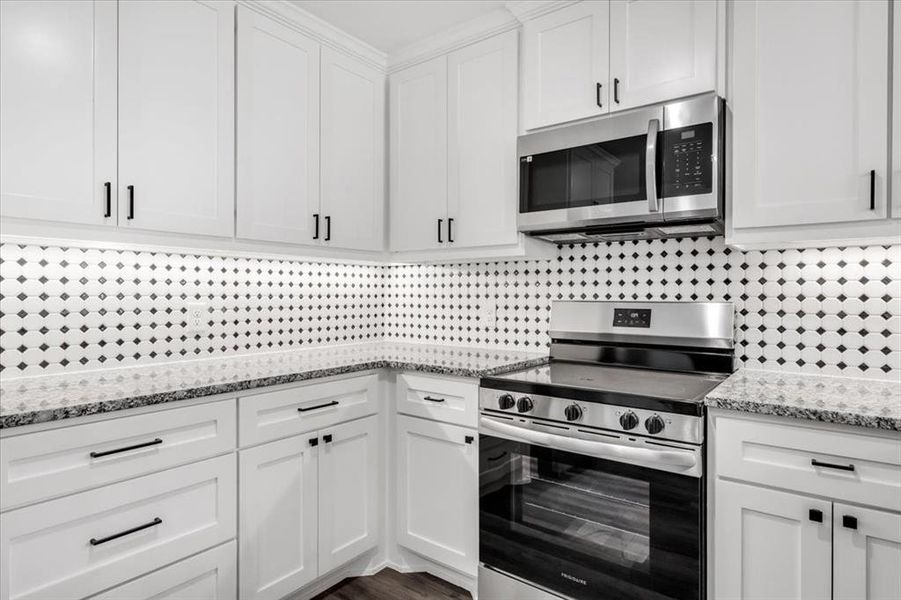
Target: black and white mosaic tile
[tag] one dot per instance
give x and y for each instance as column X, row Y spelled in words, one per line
column 832, row 311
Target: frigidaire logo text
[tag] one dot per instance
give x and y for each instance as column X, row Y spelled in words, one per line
column 571, row 578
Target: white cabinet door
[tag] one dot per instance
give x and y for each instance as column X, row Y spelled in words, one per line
column 438, row 501
column 566, row 64
column 867, row 554
column 809, row 104
column 58, row 110
column 482, row 125
column 418, row 161
column 353, row 153
column 660, row 50
column 278, row 517
column 210, row 575
column 896, row 114
column 278, row 131
column 770, row 544
column 176, row 116
column 349, row 479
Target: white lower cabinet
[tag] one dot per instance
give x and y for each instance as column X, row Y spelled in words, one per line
column 210, row 575
column 308, row 503
column 438, row 500
column 866, row 554
column 79, row 545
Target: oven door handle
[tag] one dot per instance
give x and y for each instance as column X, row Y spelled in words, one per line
column 673, row 459
column 650, row 165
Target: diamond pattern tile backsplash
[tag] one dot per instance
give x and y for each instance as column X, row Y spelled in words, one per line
column 832, row 310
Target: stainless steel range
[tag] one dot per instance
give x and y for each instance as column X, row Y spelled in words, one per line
column 591, row 468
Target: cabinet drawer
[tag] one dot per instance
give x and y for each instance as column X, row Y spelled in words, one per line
column 449, row 400
column 46, row 464
column 81, row 544
column 211, row 575
column 837, row 464
column 282, row 413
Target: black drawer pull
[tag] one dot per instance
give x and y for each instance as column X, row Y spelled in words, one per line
column 815, row 515
column 430, row 399
column 326, row 405
column 155, row 442
column 469, row 439
column 109, row 199
column 131, row 202
column 826, row 465
column 115, row 536
column 849, row 521
column 327, row 438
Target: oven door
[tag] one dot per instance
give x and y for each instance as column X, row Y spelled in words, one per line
column 597, row 173
column 587, row 527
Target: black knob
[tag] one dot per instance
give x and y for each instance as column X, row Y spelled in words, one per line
column 654, row 425
column 628, row 420
column 524, row 404
column 572, row 412
column 506, row 402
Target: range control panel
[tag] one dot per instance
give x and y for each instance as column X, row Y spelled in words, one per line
column 632, row 317
column 688, row 160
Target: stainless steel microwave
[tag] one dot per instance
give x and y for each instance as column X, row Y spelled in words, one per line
column 646, row 173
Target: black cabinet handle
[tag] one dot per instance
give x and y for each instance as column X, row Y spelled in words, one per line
column 155, row 442
column 872, row 189
column 440, row 222
column 849, row 521
column 469, row 439
column 109, row 199
column 430, row 399
column 115, row 536
column 328, row 228
column 597, row 95
column 450, row 230
column 326, row 405
column 815, row 515
column 616, row 90
column 131, row 202
column 826, row 465
column 327, row 438
column 313, row 441
column 316, row 226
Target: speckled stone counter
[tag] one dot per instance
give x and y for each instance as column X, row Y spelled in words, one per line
column 39, row 399
column 860, row 402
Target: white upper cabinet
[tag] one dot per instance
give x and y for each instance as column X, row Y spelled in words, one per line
column 809, row 103
column 418, row 156
column 896, row 114
column 482, row 123
column 176, row 116
column 867, row 553
column 566, row 64
column 58, row 110
column 278, row 131
column 353, row 153
column 660, row 50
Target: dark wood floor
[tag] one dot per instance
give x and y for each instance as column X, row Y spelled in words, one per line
column 388, row 584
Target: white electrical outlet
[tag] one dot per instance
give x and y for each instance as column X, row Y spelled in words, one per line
column 487, row 312
column 198, row 317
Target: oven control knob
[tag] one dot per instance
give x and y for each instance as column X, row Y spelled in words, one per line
column 506, row 402
column 628, row 420
column 524, row 404
column 572, row 412
column 654, row 425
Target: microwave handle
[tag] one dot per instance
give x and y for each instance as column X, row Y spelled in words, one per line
column 650, row 165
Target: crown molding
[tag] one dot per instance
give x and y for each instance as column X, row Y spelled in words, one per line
column 325, row 33
column 525, row 10
column 482, row 27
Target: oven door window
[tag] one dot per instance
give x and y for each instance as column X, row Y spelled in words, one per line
column 597, row 174
column 589, row 528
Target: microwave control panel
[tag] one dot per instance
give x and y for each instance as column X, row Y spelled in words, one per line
column 688, row 160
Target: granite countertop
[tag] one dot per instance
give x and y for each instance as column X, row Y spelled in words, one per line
column 38, row 399
column 867, row 403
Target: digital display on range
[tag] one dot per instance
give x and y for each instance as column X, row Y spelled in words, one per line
column 631, row 317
